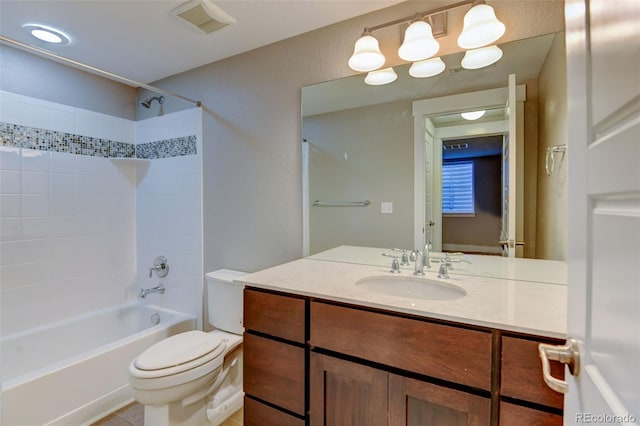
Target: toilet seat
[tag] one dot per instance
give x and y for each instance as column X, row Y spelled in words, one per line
column 179, row 353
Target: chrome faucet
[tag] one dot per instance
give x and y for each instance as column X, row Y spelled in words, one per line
column 419, row 268
column 425, row 255
column 160, row 267
column 445, row 263
column 157, row 289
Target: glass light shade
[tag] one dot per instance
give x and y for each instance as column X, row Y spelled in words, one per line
column 427, row 68
column 366, row 55
column 481, row 27
column 480, row 58
column 472, row 115
column 418, row 42
column 380, row 77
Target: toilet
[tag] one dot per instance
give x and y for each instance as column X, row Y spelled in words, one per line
column 195, row 378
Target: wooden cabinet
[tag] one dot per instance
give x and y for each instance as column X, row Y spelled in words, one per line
column 346, row 393
column 310, row 361
column 444, row 352
column 275, row 359
column 522, row 383
column 416, row 403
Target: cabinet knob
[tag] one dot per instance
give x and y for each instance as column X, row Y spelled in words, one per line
column 567, row 354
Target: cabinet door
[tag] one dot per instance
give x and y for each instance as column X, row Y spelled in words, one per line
column 515, row 415
column 345, row 393
column 416, row 403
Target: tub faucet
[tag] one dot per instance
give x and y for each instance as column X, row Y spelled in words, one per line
column 157, row 289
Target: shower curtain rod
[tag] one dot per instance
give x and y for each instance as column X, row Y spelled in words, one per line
column 92, row 69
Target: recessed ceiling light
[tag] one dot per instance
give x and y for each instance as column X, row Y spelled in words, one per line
column 47, row 34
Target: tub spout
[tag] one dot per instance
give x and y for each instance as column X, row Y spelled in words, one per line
column 156, row 289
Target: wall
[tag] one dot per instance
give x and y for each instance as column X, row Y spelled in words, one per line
column 552, row 190
column 169, row 208
column 41, row 78
column 481, row 232
column 252, row 132
column 67, row 231
column 378, row 143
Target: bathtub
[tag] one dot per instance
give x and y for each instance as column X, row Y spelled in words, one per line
column 75, row 372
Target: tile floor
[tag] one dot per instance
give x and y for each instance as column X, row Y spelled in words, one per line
column 133, row 415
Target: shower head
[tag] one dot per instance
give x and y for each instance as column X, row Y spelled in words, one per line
column 147, row 103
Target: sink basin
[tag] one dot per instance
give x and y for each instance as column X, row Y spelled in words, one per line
column 412, row 287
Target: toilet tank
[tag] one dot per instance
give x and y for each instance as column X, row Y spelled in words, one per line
column 224, row 300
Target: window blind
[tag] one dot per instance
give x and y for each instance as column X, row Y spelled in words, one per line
column 457, row 187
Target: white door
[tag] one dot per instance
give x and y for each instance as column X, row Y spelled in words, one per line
column 603, row 61
column 509, row 206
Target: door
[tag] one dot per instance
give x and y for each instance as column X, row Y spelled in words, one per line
column 603, row 56
column 509, row 153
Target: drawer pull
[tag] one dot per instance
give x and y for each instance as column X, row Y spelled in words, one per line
column 566, row 354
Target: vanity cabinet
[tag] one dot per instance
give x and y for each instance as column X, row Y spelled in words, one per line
column 318, row 362
column 275, row 357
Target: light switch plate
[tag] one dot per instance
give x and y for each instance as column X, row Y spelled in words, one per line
column 386, row 207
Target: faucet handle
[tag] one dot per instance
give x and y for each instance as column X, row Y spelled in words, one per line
column 443, row 271
column 404, row 260
column 160, row 266
column 395, row 266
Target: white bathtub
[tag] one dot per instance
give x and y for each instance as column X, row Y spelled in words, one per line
column 75, row 372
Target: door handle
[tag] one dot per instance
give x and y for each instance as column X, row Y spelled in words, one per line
column 567, row 354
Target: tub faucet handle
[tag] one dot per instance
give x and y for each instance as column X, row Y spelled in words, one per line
column 160, row 267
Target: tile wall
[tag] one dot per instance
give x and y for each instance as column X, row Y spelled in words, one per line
column 69, row 216
column 169, row 208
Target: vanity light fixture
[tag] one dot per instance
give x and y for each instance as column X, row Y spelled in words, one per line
column 419, row 43
column 427, row 68
column 481, row 27
column 472, row 115
column 366, row 54
column 48, row 34
column 482, row 57
column 380, row 77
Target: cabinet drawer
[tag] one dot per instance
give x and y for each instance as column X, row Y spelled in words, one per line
column 515, row 415
column 258, row 414
column 275, row 372
column 275, row 315
column 441, row 351
column 522, row 373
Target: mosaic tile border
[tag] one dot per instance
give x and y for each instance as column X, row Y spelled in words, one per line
column 19, row 136
column 175, row 147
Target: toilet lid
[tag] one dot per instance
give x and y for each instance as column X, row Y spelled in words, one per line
column 179, row 349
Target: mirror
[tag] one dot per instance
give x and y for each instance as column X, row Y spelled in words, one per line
column 359, row 148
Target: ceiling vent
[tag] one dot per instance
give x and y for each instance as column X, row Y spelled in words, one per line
column 204, row 15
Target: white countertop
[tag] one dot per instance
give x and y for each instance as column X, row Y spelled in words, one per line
column 507, row 304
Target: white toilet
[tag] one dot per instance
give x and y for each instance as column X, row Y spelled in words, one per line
column 195, row 378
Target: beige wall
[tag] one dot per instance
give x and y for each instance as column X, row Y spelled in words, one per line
column 378, row 143
column 252, row 131
column 552, row 190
